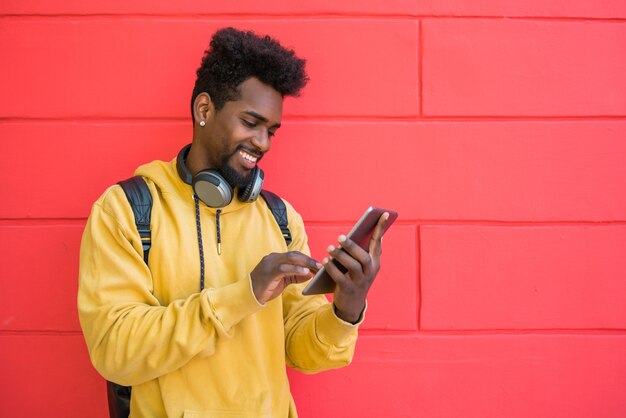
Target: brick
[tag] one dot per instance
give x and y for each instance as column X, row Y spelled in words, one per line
column 73, row 164
column 146, row 68
column 392, row 300
column 39, row 275
column 557, row 8
column 442, row 376
column 514, row 376
column 513, row 171
column 51, row 283
column 503, row 277
column 474, row 67
column 242, row 8
column 49, row 376
column 525, row 9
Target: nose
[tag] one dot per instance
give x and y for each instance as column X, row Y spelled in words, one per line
column 262, row 141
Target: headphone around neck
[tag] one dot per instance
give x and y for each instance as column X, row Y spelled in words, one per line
column 212, row 188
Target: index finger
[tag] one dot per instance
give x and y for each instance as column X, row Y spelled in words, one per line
column 300, row 259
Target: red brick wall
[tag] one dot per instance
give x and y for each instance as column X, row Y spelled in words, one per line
column 496, row 129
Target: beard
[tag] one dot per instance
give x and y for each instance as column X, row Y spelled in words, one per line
column 232, row 176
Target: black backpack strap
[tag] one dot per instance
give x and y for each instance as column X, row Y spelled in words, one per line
column 279, row 210
column 119, row 400
column 140, row 200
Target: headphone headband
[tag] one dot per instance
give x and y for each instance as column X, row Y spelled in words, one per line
column 181, row 165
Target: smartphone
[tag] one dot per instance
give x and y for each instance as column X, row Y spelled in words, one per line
column 361, row 234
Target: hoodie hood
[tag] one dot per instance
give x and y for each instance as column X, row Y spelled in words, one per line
column 165, row 177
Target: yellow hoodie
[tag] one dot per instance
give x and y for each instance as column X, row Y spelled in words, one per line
column 191, row 353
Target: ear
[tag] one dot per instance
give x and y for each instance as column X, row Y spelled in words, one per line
column 203, row 108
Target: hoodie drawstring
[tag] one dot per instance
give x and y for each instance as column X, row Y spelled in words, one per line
column 219, row 235
column 199, row 230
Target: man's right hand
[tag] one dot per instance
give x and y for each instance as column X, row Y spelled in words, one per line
column 276, row 271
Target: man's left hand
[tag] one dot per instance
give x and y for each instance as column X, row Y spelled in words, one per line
column 352, row 286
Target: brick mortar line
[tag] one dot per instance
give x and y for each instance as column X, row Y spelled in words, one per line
column 303, row 16
column 419, row 298
column 420, row 68
column 40, row 333
column 374, row 333
column 344, row 222
column 320, row 119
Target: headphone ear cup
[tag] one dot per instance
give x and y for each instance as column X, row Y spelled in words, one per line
column 251, row 192
column 212, row 189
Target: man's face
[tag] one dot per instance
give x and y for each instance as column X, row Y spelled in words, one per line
column 236, row 137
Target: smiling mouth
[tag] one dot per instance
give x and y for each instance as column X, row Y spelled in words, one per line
column 248, row 157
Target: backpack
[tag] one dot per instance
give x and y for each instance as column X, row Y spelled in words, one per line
column 140, row 200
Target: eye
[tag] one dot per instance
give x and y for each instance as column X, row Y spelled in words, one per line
column 248, row 124
column 271, row 133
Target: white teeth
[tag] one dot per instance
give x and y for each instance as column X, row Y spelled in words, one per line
column 247, row 156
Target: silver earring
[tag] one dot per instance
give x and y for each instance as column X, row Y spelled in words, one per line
column 202, row 123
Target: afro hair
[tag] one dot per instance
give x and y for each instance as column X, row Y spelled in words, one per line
column 234, row 56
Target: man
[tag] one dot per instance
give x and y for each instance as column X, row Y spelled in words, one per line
column 206, row 328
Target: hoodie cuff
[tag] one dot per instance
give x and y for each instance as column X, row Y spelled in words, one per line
column 230, row 304
column 333, row 330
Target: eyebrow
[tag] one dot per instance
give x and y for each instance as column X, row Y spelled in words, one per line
column 260, row 117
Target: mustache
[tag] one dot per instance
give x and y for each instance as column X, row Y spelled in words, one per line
column 253, row 152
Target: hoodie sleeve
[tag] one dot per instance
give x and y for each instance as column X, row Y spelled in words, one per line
column 131, row 337
column 315, row 338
